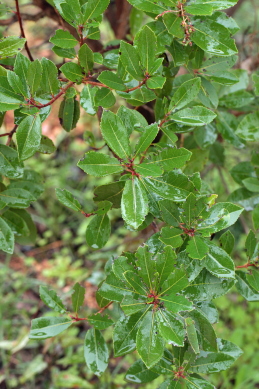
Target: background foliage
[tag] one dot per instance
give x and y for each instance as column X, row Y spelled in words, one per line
column 61, row 257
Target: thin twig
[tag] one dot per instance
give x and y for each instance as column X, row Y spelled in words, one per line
column 10, row 135
column 245, row 266
column 22, row 30
column 63, row 90
column 103, row 308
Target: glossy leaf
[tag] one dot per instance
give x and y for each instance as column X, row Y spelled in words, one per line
column 150, row 346
column 227, row 241
column 219, row 263
column 16, row 198
column 171, row 236
column 63, row 39
column 213, row 37
column 134, row 207
column 185, row 94
column 87, row 99
column 66, row 198
column 9, row 162
column 197, row 248
column 86, row 58
column 212, row 363
column 28, row 136
column 115, row 134
column 176, row 304
column 96, row 351
column 112, row 80
column 94, row 8
column 9, row 46
column 131, row 61
column 170, row 327
column 72, row 71
column 146, row 138
column 195, row 116
column 51, row 299
column 78, row 297
column 125, row 332
column 245, row 288
column 192, row 335
column 248, row 127
column 47, row 327
column 111, row 192
column 114, row 289
column 145, row 42
column 171, row 158
column 99, row 165
column 6, row 237
column 98, row 231
column 99, row 322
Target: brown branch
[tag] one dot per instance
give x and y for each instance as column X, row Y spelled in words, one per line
column 63, row 90
column 103, row 308
column 245, row 266
column 10, row 135
column 22, row 30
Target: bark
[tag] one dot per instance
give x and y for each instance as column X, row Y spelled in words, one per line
column 232, row 10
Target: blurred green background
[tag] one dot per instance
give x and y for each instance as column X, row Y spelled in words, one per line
column 60, row 256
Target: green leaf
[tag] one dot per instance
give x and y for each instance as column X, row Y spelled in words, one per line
column 229, row 348
column 197, row 383
column 212, row 363
column 72, row 71
column 51, row 299
column 96, row 351
column 28, row 136
column 86, row 58
column 165, row 262
column 208, row 94
column 219, row 217
column 226, row 125
column 139, row 373
column 16, row 222
column 207, row 286
column 112, row 80
column 145, row 42
column 176, row 304
column 171, row 158
column 98, row 231
column 46, row 145
column 104, row 98
column 6, row 237
column 197, row 248
column 227, row 241
column 242, row 171
column 146, row 138
column 146, row 266
column 8, row 102
column 173, row 24
column 176, row 282
column 16, row 198
column 148, row 6
column 125, row 332
column 192, row 335
column 9, row 163
column 255, row 216
column 212, row 37
column 248, row 127
column 65, row 53
column 10, row 45
column 156, row 82
column 253, row 278
column 47, row 327
column 185, row 94
column 114, row 289
column 133, row 120
column 206, row 333
column 194, row 116
column 131, row 60
column 133, row 304
column 147, row 170
column 255, row 79
column 219, row 263
column 120, row 265
column 115, row 134
column 78, row 297
column 34, row 76
column 94, row 8
column 16, row 83
column 87, row 99
column 172, row 186
column 251, row 245
column 66, row 198
column 135, row 282
column 111, row 192
column 218, row 64
column 49, row 81
column 134, row 203
column 150, row 345
column 252, row 184
column 99, row 165
column 63, row 39
column 170, row 213
column 171, row 236
column 244, row 287
column 99, row 322
column 199, row 9
column 170, row 327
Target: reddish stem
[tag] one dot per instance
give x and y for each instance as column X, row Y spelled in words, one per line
column 10, row 135
column 63, row 90
column 103, row 308
column 245, row 266
column 87, row 214
column 22, row 30
column 80, row 33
